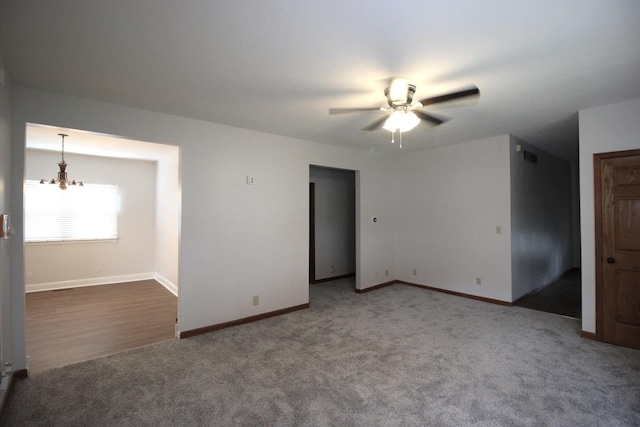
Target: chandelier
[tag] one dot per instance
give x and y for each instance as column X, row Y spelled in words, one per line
column 62, row 181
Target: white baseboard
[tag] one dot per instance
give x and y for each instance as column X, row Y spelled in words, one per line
column 171, row 287
column 95, row 281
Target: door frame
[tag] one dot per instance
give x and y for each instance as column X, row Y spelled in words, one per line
column 598, row 159
column 312, row 228
column 312, row 232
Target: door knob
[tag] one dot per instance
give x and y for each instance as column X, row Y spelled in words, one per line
column 611, row 260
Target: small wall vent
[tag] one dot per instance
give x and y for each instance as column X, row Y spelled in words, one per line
column 529, row 156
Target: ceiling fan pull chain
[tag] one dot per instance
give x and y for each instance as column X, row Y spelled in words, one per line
column 400, row 137
column 392, row 136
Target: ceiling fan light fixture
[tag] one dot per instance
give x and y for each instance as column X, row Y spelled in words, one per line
column 401, row 121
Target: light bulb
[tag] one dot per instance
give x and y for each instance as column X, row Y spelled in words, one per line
column 401, row 121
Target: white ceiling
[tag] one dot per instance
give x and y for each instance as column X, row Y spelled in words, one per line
column 278, row 65
column 43, row 137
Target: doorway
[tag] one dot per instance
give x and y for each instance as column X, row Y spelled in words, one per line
column 617, row 219
column 332, row 224
column 141, row 262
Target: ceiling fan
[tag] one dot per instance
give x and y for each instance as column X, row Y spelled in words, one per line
column 403, row 114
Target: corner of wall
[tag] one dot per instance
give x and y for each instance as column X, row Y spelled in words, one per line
column 6, row 127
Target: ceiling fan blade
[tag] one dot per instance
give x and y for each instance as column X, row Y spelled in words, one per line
column 351, row 110
column 435, row 121
column 377, row 124
column 451, row 96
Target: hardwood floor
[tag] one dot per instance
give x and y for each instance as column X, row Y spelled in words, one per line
column 563, row 296
column 73, row 325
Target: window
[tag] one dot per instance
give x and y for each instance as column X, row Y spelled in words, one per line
column 83, row 213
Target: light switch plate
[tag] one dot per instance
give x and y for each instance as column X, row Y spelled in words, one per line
column 5, row 226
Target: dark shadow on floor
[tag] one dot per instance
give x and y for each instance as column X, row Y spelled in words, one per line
column 563, row 296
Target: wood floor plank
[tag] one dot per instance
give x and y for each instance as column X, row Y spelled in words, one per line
column 73, row 325
column 564, row 296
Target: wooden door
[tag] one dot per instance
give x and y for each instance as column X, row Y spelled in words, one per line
column 618, row 252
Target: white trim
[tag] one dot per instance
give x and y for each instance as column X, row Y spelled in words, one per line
column 91, row 281
column 71, row 242
column 171, row 287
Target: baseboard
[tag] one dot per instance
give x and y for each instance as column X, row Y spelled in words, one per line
column 20, row 373
column 91, row 281
column 331, row 279
column 459, row 294
column 589, row 335
column 171, row 287
column 373, row 288
column 5, row 390
column 211, row 328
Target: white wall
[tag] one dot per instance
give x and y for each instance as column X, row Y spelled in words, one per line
column 451, row 199
column 376, row 196
column 541, row 244
column 237, row 240
column 605, row 129
column 5, row 208
column 131, row 257
column 168, row 205
column 334, row 222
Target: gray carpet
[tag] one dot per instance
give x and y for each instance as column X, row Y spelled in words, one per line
column 398, row 356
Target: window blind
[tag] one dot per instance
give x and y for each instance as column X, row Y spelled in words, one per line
column 78, row 213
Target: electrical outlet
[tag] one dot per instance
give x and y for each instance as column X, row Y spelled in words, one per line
column 98, row 269
column 256, row 300
column 250, row 180
column 415, row 272
column 333, row 269
column 478, row 281
column 386, row 272
column 376, row 275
